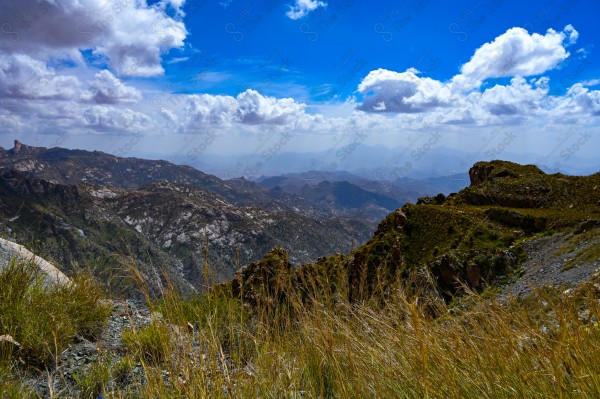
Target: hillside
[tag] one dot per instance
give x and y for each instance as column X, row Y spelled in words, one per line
column 491, row 292
column 479, row 237
column 162, row 227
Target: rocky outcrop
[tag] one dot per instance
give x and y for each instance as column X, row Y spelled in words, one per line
column 17, row 147
column 428, row 200
column 485, row 171
column 49, row 272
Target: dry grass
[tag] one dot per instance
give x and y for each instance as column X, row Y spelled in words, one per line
column 407, row 345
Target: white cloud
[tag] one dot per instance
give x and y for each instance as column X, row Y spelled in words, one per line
column 73, row 117
column 35, row 96
column 463, row 101
column 518, row 98
column 254, row 108
column 579, row 100
column 248, row 108
column 169, row 115
column 573, row 34
column 303, row 8
column 107, row 89
column 111, row 119
column 515, row 53
column 591, row 82
column 388, row 91
column 22, row 77
column 206, row 109
column 130, row 34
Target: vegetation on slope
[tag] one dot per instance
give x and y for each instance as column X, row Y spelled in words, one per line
column 385, row 320
column 475, row 237
column 407, row 344
column 38, row 321
column 162, row 227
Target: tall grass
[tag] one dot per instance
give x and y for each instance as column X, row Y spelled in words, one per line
column 402, row 345
column 43, row 319
column 309, row 341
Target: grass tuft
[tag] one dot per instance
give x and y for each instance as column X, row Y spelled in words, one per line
column 44, row 319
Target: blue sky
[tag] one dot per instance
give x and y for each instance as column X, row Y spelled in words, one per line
column 253, row 43
column 248, row 80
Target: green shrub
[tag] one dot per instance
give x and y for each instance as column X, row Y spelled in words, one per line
column 44, row 319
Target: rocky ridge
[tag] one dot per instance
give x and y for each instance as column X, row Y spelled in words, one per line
column 64, row 166
column 514, row 226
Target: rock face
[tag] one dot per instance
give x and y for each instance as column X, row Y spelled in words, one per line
column 51, row 274
column 479, row 173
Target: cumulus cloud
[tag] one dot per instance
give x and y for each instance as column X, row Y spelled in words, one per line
column 22, row 77
column 248, row 108
column 515, row 53
column 578, row 100
column 463, row 101
column 388, row 91
column 72, row 117
column 111, row 119
column 254, row 108
column 518, row 98
column 303, row 8
column 131, row 35
column 206, row 109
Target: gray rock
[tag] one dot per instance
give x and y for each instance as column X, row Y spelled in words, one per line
column 51, row 274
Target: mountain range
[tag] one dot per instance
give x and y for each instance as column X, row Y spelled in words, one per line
column 175, row 223
column 92, row 209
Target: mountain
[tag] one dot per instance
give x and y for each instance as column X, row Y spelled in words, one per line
column 64, row 166
column 369, row 197
column 335, row 195
column 513, row 221
column 160, row 227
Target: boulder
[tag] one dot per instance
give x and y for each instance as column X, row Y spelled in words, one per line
column 50, row 273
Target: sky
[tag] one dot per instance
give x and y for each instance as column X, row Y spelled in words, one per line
column 249, row 81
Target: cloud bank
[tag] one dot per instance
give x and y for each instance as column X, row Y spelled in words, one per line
column 40, row 94
column 464, row 100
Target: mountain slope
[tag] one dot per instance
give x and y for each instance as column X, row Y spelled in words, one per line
column 64, row 166
column 160, row 227
column 477, row 237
